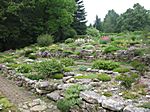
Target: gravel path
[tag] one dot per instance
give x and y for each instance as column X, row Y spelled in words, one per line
column 15, row 94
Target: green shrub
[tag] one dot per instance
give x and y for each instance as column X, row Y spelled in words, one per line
column 69, row 40
column 67, row 62
column 121, row 70
column 105, row 64
column 130, row 95
column 83, row 68
column 92, row 32
column 32, row 56
column 146, row 105
column 110, row 49
column 45, row 40
column 34, row 76
column 127, row 80
column 71, row 98
column 139, row 66
column 28, row 52
column 104, row 77
column 103, row 42
column 24, row 68
column 49, row 67
column 67, row 69
column 58, row 76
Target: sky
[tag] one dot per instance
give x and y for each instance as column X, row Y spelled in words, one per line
column 101, row 7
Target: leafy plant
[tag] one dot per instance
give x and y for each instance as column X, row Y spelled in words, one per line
column 69, row 40
column 127, row 80
column 58, row 76
column 146, row 105
column 71, row 98
column 105, row 64
column 130, row 95
column 49, row 67
column 67, row 62
column 45, row 40
column 24, row 68
column 83, row 68
column 121, row 70
column 34, row 76
column 104, row 77
column 111, row 48
column 107, row 94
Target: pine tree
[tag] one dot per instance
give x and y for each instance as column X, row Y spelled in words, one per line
column 79, row 23
column 98, row 24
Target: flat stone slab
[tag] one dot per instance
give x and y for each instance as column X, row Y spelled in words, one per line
column 131, row 108
column 113, row 105
column 92, row 97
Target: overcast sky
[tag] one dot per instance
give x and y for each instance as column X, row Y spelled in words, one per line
column 101, row 7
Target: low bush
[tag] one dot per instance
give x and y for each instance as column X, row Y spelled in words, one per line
column 67, row 69
column 130, row 95
column 58, row 76
column 146, row 105
column 104, row 77
column 69, row 40
column 139, row 66
column 83, row 68
column 49, row 67
column 34, row 76
column 89, row 76
column 110, row 49
column 127, row 80
column 24, row 68
column 92, row 32
column 105, row 64
column 67, row 62
column 71, row 98
column 121, row 70
column 45, row 40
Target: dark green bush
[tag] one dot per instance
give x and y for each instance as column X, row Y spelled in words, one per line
column 45, row 40
column 34, row 76
column 24, row 68
column 105, row 64
column 67, row 62
column 49, row 67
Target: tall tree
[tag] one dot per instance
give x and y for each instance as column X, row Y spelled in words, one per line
column 79, row 23
column 97, row 23
column 134, row 19
column 110, row 21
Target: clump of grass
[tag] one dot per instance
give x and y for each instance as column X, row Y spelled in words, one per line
column 121, row 70
column 104, row 77
column 146, row 105
column 107, row 94
column 130, row 95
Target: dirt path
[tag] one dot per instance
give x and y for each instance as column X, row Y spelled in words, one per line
column 15, row 94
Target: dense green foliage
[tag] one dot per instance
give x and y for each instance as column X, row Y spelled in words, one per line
column 45, row 40
column 71, row 98
column 98, row 23
column 22, row 21
column 104, row 64
column 67, row 62
column 49, row 67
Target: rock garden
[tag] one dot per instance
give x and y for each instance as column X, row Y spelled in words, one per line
column 106, row 74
